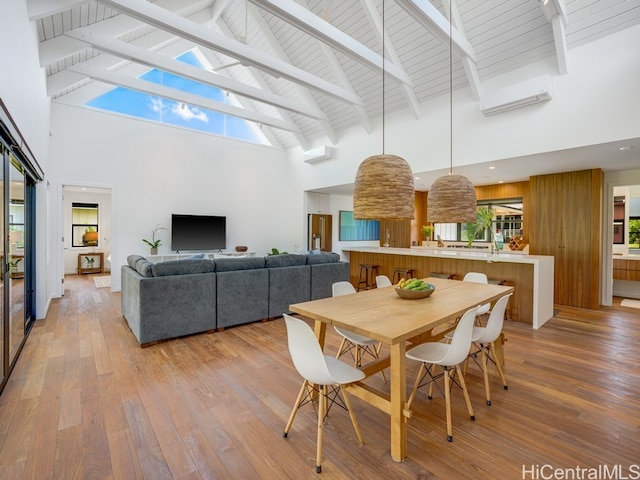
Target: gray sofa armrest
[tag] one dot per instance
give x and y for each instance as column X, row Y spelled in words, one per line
column 158, row 308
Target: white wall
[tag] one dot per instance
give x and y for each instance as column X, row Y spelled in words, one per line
column 23, row 90
column 596, row 102
column 155, row 171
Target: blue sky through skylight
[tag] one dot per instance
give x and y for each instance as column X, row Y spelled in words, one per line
column 159, row 109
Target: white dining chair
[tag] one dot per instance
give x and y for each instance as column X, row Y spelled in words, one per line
column 448, row 356
column 383, row 281
column 353, row 342
column 477, row 277
column 484, row 339
column 320, row 372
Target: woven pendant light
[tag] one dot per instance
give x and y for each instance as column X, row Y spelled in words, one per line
column 384, row 188
column 451, row 198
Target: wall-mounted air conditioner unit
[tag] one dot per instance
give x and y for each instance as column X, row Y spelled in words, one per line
column 529, row 92
column 319, row 153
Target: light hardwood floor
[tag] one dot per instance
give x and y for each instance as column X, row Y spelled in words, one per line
column 85, row 401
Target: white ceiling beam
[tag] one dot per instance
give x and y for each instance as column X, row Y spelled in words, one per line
column 470, row 69
column 119, row 79
column 339, row 72
column 282, row 55
column 378, row 28
column 262, row 83
column 556, row 14
column 302, row 18
column 37, row 9
column 131, row 52
column 171, row 22
column 431, row 19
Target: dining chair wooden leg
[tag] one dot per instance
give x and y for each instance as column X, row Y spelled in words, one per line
column 415, row 385
column 465, row 393
column 485, row 373
column 447, row 401
column 340, row 352
column 498, row 365
column 347, row 402
column 295, row 408
column 321, row 410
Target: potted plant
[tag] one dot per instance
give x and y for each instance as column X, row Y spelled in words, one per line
column 154, row 243
column 13, row 266
column 484, row 220
column 427, row 231
column 90, row 261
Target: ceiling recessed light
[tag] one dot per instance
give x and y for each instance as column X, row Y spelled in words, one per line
column 492, row 168
column 625, row 148
column 500, row 181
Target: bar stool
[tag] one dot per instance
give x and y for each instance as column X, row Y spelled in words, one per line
column 367, row 270
column 399, row 273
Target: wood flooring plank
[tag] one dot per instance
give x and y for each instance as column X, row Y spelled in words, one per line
column 85, row 401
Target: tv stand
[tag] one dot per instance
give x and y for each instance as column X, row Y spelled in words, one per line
column 211, row 255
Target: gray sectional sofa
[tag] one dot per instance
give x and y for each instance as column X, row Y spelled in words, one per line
column 182, row 297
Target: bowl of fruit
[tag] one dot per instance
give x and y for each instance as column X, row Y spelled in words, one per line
column 414, row 288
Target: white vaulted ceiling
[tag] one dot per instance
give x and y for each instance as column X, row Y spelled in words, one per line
column 312, row 68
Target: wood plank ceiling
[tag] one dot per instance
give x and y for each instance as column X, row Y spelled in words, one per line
column 309, row 69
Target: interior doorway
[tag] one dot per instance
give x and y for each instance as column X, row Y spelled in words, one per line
column 86, row 225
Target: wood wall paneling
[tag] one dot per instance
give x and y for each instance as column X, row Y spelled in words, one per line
column 566, row 224
column 519, row 275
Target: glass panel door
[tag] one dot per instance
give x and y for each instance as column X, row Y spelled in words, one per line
column 16, row 257
column 4, row 327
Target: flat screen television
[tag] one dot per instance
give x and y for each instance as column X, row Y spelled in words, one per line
column 198, row 232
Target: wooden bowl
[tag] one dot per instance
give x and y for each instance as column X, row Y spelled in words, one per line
column 241, row 248
column 414, row 294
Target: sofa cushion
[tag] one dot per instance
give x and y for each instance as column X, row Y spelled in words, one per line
column 285, row 260
column 328, row 257
column 247, row 263
column 184, row 266
column 140, row 265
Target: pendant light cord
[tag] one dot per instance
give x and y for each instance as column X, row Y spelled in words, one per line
column 383, row 81
column 450, row 89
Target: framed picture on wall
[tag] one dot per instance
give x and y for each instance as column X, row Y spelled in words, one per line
column 352, row 229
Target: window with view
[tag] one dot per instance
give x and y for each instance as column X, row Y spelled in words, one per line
column 84, row 224
column 507, row 219
column 150, row 107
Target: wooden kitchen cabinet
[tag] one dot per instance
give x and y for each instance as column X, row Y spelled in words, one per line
column 566, row 216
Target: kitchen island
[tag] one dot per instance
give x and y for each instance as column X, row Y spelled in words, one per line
column 530, row 275
column 626, row 275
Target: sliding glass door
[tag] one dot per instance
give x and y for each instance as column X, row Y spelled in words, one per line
column 17, row 256
column 19, row 173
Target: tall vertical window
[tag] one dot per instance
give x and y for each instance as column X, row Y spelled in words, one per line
column 84, row 224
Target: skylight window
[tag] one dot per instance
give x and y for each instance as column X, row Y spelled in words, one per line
column 142, row 105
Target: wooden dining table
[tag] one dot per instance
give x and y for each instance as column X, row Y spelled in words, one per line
column 381, row 314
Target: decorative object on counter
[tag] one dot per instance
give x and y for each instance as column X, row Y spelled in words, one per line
column 517, row 243
column 427, row 231
column 154, row 243
column 484, row 219
column 241, row 248
column 451, row 198
column 384, row 188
